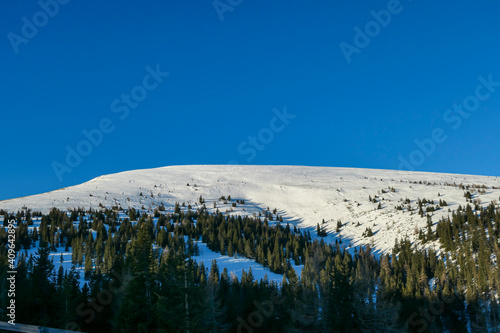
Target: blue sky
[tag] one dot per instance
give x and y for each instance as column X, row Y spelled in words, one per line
column 233, row 72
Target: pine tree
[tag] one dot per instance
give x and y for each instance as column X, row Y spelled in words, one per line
column 43, row 287
column 214, row 319
column 135, row 313
column 340, row 296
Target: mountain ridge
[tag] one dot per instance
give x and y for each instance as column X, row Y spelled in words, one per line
column 303, row 196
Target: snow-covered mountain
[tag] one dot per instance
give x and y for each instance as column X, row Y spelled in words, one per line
column 303, row 196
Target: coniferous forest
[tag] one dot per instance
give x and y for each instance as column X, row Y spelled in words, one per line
column 140, row 276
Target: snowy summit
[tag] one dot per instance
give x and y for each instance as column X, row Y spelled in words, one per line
column 344, row 202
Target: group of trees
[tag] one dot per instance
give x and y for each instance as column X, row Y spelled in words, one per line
column 140, row 276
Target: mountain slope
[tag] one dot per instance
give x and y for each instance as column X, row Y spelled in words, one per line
column 304, row 196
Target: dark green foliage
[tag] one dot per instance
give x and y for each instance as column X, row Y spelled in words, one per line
column 320, row 231
column 368, row 232
column 339, row 226
column 162, row 289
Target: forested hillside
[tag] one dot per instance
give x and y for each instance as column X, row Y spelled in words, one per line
column 139, row 276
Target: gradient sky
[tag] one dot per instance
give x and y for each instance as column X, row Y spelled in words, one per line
column 226, row 76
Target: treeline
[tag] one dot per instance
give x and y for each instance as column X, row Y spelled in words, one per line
column 471, row 238
column 140, row 276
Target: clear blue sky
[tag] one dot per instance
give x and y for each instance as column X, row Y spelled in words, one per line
column 226, row 77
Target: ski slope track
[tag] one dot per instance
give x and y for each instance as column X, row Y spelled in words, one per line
column 304, row 196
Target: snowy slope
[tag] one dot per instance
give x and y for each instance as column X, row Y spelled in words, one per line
column 303, row 195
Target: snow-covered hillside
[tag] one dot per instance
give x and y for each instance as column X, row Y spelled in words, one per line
column 304, row 196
